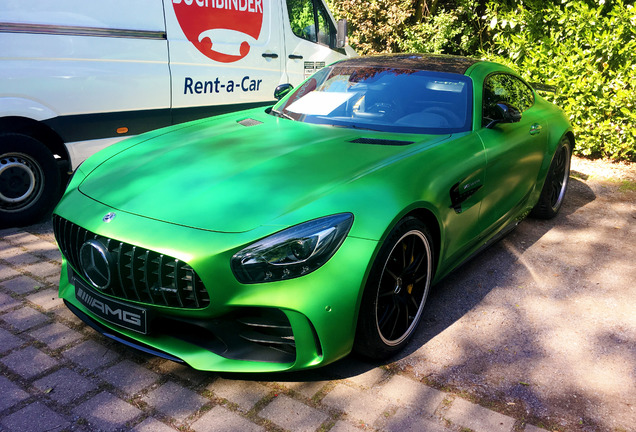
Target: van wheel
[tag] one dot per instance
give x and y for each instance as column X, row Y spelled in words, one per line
column 396, row 291
column 29, row 180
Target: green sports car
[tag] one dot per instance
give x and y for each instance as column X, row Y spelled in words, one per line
column 284, row 238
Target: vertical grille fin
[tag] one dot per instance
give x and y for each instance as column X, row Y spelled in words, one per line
column 141, row 274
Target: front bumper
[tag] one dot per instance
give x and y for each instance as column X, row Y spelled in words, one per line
column 287, row 325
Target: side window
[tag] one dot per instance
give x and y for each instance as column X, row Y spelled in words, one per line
column 309, row 20
column 326, row 33
column 506, row 88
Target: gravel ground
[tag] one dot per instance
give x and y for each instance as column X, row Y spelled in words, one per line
column 543, row 324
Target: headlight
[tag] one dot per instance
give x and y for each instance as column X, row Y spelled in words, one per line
column 293, row 252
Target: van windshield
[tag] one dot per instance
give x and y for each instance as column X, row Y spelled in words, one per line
column 383, row 99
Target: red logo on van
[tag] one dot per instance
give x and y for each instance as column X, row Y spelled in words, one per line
column 222, row 30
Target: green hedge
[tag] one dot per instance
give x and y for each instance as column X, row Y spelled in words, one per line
column 585, row 48
column 587, row 53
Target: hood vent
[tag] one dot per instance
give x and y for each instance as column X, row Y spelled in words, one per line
column 249, row 122
column 380, row 141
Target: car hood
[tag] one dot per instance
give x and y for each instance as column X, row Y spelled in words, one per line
column 232, row 176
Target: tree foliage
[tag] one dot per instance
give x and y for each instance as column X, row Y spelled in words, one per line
column 585, row 48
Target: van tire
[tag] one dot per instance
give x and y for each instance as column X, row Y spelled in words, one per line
column 29, row 180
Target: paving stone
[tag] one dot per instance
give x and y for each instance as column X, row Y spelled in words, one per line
column 403, row 391
column 53, row 280
column 23, row 420
column 90, row 355
column 362, row 374
column 7, row 232
column 220, row 419
column 342, row 426
column 21, row 285
column 42, row 269
column 305, row 388
column 65, row 385
column 11, row 394
column 530, row 428
column 356, row 404
column 17, row 257
column 175, row 401
column 8, row 341
column 39, row 246
column 369, row 378
column 293, row 415
column 24, row 318
column 407, row 420
column 243, row 393
column 7, row 272
column 28, row 362
column 21, row 238
column 129, row 376
column 152, row 425
column 478, row 418
column 52, row 255
column 185, row 372
column 56, row 335
column 47, row 299
column 7, row 302
column 107, row 412
column 65, row 313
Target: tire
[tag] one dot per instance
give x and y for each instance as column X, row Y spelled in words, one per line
column 396, row 291
column 29, row 180
column 556, row 183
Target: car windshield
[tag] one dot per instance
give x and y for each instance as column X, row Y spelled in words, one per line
column 383, row 99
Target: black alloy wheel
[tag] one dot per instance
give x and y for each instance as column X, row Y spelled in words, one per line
column 396, row 291
column 556, row 182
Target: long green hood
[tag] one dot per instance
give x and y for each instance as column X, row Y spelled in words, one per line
column 220, row 175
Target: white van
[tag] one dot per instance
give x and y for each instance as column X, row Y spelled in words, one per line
column 77, row 75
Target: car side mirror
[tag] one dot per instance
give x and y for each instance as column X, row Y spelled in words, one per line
column 341, row 33
column 282, row 90
column 503, row 113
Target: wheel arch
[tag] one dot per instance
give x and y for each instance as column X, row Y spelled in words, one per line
column 423, row 214
column 432, row 223
column 37, row 130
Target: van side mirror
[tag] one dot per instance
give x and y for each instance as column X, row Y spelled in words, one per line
column 503, row 113
column 282, row 90
column 341, row 33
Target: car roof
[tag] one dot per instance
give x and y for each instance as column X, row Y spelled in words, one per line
column 425, row 62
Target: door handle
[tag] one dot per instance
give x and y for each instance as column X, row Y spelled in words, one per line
column 535, row 129
column 270, row 55
column 295, row 57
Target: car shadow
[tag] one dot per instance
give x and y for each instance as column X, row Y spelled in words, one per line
column 455, row 296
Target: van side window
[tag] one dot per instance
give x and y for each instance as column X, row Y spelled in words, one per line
column 309, row 20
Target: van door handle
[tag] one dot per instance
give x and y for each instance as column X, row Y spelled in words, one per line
column 295, row 57
column 270, row 55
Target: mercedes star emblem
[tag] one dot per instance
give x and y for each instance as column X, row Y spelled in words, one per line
column 109, row 217
column 96, row 263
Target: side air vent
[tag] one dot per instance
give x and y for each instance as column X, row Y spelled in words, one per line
column 376, row 141
column 249, row 122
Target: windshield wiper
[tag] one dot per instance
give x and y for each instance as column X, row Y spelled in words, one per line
column 281, row 114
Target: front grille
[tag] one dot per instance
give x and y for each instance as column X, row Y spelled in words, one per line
column 138, row 274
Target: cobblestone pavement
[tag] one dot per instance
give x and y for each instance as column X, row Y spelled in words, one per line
column 58, row 374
